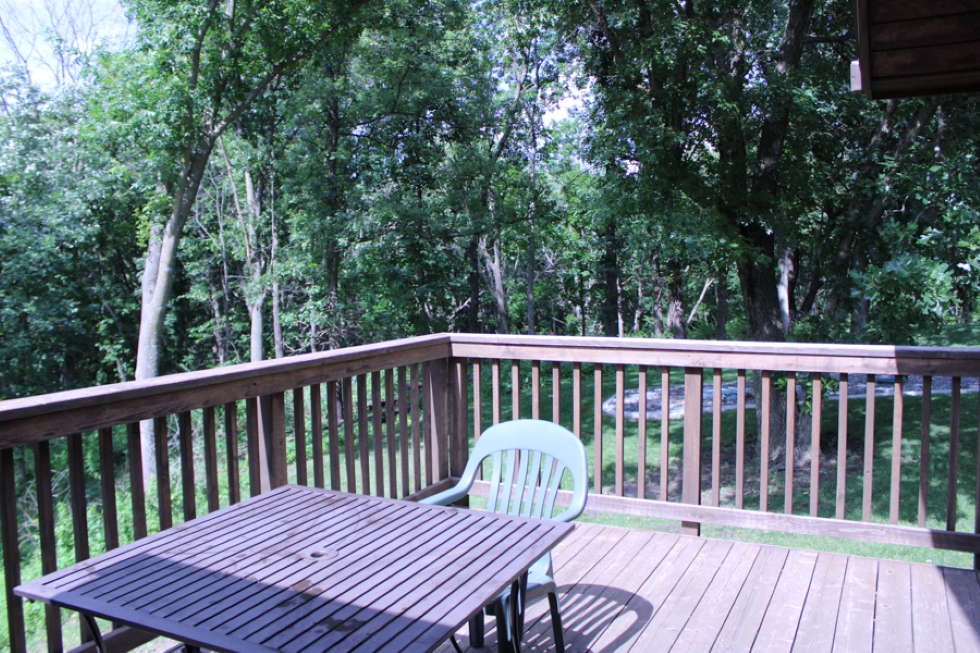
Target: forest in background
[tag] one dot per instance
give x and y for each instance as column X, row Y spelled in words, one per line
column 258, row 178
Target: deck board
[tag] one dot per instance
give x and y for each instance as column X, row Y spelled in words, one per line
column 623, row 590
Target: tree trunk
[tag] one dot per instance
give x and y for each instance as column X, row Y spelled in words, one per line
column 495, row 275
column 721, row 306
column 609, row 276
column 675, row 301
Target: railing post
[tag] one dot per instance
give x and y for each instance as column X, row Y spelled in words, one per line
column 439, row 391
column 691, row 488
column 459, row 441
column 272, row 441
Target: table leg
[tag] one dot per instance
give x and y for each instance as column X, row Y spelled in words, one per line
column 93, row 628
column 509, row 639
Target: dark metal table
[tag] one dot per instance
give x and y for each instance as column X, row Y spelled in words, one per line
column 302, row 569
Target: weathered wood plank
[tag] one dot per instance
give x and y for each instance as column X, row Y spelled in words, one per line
column 49, row 545
column 620, row 428
column 413, row 379
column 597, row 466
column 335, row 413
column 377, row 436
column 777, row 632
column 299, row 435
column 392, row 451
column 11, row 553
column 764, row 435
column 515, row 389
column 556, row 393
column 210, row 459
column 577, row 400
column 963, row 599
column 901, row 10
column 926, row 31
column 925, row 437
column 535, row 389
column 856, row 615
column 817, row 424
column 134, row 460
column 403, row 412
column 664, row 432
column 641, row 436
column 790, row 442
column 693, row 407
column 928, row 60
column 746, row 614
column 495, row 390
column 702, row 628
column 740, row 441
column 231, row 452
column 841, row 498
column 316, row 435
column 897, row 415
column 954, row 455
column 188, row 487
column 107, row 483
column 349, row 456
column 364, row 435
column 715, row 438
column 893, row 608
column 815, row 634
column 869, row 449
column 931, row 628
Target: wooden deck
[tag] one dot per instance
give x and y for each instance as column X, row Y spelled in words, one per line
column 626, row 590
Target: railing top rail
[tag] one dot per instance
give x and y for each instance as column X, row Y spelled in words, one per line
column 719, row 346
column 787, row 356
column 30, row 419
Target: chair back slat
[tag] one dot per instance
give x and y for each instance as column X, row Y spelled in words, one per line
column 547, row 469
column 494, row 481
column 553, row 487
column 534, row 475
column 509, row 475
column 520, row 488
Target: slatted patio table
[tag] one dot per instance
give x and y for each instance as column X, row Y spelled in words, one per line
column 305, row 569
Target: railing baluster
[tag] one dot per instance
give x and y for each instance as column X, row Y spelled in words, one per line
column 924, row 449
column 896, row 450
column 495, row 383
column 316, row 434
column 426, row 426
column 11, row 552
column 535, row 389
column 377, row 434
column 620, row 428
column 134, row 459
column 334, row 409
column 556, row 392
column 790, row 441
column 869, row 448
column 403, row 408
column 715, row 438
column 254, row 458
column 416, row 428
column 107, row 483
column 515, row 389
column 740, row 441
column 764, row 441
column 842, row 446
column 188, row 489
column 349, row 435
column 79, row 516
column 162, row 451
column 231, row 452
column 299, row 435
column 49, row 545
column 211, row 459
column 363, row 435
column 954, row 454
column 597, row 425
column 390, row 428
column 976, row 502
column 817, row 415
column 577, row 400
column 477, row 408
column 664, row 431
column 641, row 434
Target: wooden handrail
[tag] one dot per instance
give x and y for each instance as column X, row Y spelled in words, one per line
column 34, row 419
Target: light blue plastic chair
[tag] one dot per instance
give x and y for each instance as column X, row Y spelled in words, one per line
column 544, row 453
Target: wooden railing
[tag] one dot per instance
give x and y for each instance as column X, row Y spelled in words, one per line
column 397, row 419
column 924, row 469
column 367, row 419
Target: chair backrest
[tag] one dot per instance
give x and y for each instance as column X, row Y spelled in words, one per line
column 529, row 458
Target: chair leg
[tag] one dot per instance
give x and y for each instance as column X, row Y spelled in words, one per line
column 503, row 627
column 477, row 630
column 556, row 623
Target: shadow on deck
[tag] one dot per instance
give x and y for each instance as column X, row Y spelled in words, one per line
column 626, row 590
